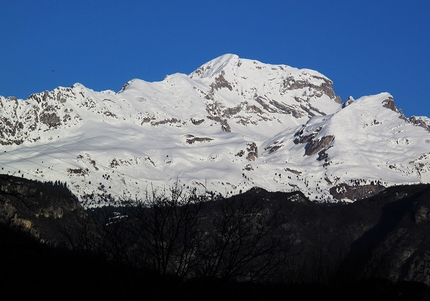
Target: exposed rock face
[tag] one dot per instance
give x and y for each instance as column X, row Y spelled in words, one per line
column 191, row 139
column 305, row 138
column 220, row 82
column 344, row 191
column 389, row 103
column 252, row 151
column 45, row 111
column 41, row 210
column 419, row 122
column 326, row 87
column 50, row 119
column 316, row 145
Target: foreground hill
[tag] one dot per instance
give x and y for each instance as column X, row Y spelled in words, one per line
column 377, row 246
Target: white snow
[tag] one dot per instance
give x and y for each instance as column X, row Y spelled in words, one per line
column 150, row 135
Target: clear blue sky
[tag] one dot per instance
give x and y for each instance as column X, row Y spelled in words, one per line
column 365, row 47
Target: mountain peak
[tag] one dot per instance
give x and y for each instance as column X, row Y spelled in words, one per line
column 230, row 125
column 377, row 103
column 215, row 66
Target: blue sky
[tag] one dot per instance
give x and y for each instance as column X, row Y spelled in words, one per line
column 365, row 47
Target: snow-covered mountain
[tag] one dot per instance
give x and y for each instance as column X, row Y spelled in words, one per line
column 230, row 125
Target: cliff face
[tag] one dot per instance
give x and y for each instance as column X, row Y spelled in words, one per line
column 43, row 210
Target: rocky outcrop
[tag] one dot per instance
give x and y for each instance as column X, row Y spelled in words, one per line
column 316, row 145
column 220, row 82
column 43, row 210
column 191, row 139
column 21, row 120
column 389, row 104
column 325, row 88
column 419, row 122
column 345, row 191
column 252, row 150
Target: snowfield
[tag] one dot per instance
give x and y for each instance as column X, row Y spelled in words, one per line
column 230, row 125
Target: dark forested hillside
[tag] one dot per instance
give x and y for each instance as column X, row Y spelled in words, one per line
column 181, row 246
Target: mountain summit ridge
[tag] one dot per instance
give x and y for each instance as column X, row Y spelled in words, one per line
column 230, row 125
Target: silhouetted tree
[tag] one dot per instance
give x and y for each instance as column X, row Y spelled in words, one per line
column 244, row 241
column 165, row 228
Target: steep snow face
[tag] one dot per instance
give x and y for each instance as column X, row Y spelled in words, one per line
column 230, row 125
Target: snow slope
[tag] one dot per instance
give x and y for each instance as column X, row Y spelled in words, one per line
column 230, row 125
